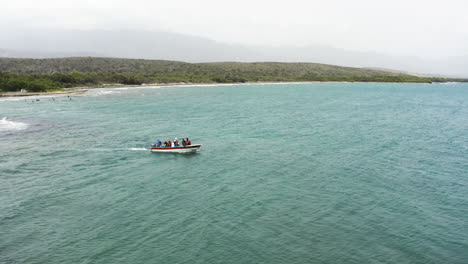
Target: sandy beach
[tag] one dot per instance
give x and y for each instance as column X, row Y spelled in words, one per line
column 71, row 91
column 82, row 90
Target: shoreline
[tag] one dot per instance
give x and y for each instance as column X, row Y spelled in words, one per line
column 72, row 91
column 82, row 90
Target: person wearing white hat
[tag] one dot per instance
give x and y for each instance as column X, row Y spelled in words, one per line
column 176, row 142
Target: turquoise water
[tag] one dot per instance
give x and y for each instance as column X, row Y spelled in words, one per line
column 290, row 173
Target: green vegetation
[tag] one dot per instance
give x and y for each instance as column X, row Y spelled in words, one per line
column 38, row 75
column 32, row 83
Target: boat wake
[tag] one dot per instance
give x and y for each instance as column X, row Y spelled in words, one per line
column 138, row 149
column 8, row 125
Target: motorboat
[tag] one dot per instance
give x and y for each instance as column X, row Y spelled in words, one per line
column 178, row 149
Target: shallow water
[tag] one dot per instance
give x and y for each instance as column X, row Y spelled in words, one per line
column 290, row 173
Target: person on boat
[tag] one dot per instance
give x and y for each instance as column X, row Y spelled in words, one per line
column 188, row 142
column 184, row 143
column 176, row 142
column 158, row 143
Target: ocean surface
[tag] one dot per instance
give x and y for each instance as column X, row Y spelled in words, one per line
column 288, row 173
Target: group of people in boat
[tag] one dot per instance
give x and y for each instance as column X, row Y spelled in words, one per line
column 168, row 144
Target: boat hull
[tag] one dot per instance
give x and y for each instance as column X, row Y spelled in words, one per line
column 186, row 149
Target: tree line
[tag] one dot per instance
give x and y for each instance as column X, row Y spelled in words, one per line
column 12, row 82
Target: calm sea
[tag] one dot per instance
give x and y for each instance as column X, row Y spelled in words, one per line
column 289, row 173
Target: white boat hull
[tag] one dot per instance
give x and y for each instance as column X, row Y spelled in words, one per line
column 186, row 149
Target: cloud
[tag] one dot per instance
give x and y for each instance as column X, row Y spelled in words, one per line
column 426, row 28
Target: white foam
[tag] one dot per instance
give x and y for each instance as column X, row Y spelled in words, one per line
column 7, row 125
column 33, row 97
column 12, row 99
column 138, row 149
column 99, row 92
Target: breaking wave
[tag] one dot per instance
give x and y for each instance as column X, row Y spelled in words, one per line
column 8, row 125
column 103, row 91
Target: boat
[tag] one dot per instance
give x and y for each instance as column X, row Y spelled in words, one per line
column 179, row 149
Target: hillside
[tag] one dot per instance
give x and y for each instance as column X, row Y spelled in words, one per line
column 53, row 74
column 140, row 66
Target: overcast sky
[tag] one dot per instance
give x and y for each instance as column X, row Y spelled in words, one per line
column 415, row 27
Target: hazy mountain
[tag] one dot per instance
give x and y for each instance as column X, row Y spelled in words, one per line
column 42, row 55
column 171, row 46
column 126, row 44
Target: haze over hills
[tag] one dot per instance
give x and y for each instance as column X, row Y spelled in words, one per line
column 158, row 45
